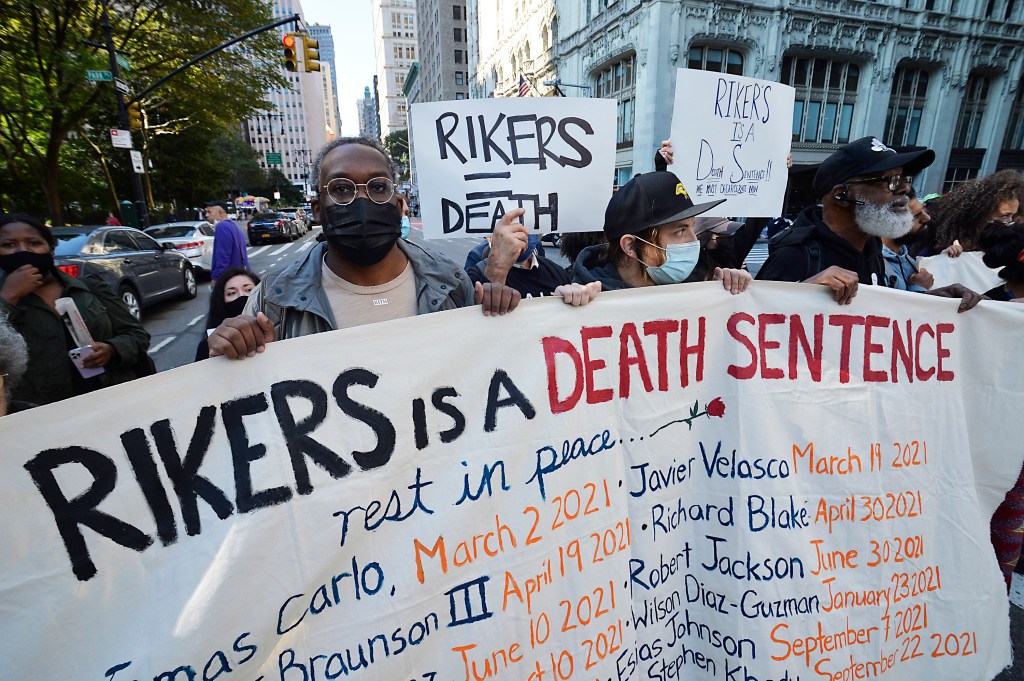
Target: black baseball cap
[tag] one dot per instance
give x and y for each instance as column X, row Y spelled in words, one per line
column 650, row 200
column 866, row 156
column 222, row 204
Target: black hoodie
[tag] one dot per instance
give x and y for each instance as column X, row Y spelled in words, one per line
column 809, row 247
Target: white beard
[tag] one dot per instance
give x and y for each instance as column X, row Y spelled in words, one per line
column 879, row 219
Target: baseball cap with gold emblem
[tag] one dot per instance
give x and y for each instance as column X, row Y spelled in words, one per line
column 650, row 200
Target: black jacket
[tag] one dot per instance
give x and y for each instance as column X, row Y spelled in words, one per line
column 809, row 247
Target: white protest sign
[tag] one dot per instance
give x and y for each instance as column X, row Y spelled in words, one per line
column 967, row 269
column 477, row 159
column 667, row 483
column 730, row 137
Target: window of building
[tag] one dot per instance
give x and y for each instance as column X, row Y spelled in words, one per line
column 826, row 91
column 460, row 95
column 955, row 176
column 711, row 58
column 458, row 56
column 1015, row 130
column 456, row 12
column 458, row 35
column 972, row 110
column 906, row 106
column 459, row 78
column 617, row 81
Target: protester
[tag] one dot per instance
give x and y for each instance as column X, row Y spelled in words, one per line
column 1003, row 246
column 963, row 212
column 718, row 247
column 13, row 363
column 364, row 273
column 112, row 220
column 863, row 188
column 228, row 242
column 29, row 287
column 227, row 300
column 572, row 244
column 901, row 270
column 649, row 227
column 513, row 260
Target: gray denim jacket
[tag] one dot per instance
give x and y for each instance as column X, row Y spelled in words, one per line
column 296, row 304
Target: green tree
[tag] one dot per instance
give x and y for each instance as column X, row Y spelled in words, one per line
column 397, row 145
column 45, row 97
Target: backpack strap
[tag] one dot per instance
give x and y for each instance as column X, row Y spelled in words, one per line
column 794, row 237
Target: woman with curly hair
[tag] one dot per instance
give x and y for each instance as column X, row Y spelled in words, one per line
column 962, row 213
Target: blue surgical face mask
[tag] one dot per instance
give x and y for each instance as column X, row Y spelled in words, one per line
column 531, row 246
column 680, row 259
column 406, row 226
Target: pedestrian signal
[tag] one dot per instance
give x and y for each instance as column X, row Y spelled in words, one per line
column 311, row 53
column 135, row 116
column 291, row 60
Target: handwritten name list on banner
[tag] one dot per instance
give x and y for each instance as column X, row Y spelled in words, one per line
column 664, row 484
column 730, row 137
column 478, row 159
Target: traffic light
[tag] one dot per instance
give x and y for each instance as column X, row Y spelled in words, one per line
column 135, row 116
column 291, row 60
column 311, row 53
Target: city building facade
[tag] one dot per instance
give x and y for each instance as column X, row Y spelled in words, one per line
column 394, row 37
column 512, row 47
column 288, row 135
column 443, row 71
column 331, row 118
column 945, row 74
column 322, row 34
column 367, row 111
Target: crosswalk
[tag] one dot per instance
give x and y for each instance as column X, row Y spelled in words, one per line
column 276, row 254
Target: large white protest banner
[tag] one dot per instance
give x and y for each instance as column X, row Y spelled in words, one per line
column 730, row 137
column 478, row 159
column 967, row 269
column 669, row 483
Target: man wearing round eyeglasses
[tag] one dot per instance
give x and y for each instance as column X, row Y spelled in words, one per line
column 364, row 273
column 864, row 189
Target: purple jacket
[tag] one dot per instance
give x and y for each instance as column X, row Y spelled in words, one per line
column 228, row 249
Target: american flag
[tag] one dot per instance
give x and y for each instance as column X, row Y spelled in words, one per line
column 524, row 87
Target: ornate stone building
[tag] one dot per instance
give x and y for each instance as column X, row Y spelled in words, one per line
column 510, row 39
column 944, row 74
column 394, row 38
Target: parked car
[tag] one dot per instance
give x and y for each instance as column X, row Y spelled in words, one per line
column 301, row 218
column 132, row 263
column 192, row 239
column 276, row 225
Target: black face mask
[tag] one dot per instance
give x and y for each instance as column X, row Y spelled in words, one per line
column 234, row 308
column 363, row 232
column 41, row 261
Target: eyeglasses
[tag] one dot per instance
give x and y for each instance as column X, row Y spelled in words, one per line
column 343, row 190
column 894, row 181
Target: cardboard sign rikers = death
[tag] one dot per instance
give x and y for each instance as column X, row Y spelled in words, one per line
column 478, row 159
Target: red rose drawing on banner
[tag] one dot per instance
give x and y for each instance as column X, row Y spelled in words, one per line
column 715, row 407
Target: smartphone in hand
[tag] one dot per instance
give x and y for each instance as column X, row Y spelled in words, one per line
column 77, row 355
